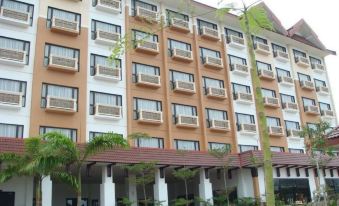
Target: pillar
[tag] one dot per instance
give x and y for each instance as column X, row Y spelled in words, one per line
column 132, row 189
column 255, row 181
column 160, row 187
column 107, row 187
column 46, row 189
column 205, row 186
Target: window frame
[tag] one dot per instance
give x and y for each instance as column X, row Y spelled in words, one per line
column 252, row 119
column 255, row 148
column 18, row 127
column 161, row 143
column 71, row 129
column 314, row 60
column 133, row 6
column 269, row 66
column 76, row 53
column 93, row 64
column 282, row 149
column 92, row 99
column 320, row 81
column 301, row 53
column 208, row 119
column 211, row 25
column 269, row 90
column 26, row 47
column 305, row 75
column 283, row 70
column 49, row 19
column 287, row 95
column 23, row 86
column 196, row 144
column 259, row 40
column 172, row 80
column 303, row 99
column 226, row 145
column 239, row 34
column 194, row 111
column 94, row 27
column 277, row 119
column 244, row 61
column 171, row 48
column 301, row 151
column 30, row 9
column 136, row 107
column 169, row 17
column 204, row 85
column 155, row 37
column 248, row 88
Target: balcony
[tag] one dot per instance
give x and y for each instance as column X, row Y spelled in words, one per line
column 107, row 73
column 213, row 62
column 302, row 61
column 209, row 33
column 150, row 117
column 247, row 129
column 293, row 133
column 109, row 112
column 182, row 55
column 187, row 121
column 261, row 48
column 271, row 102
column 327, row 114
column 276, row 131
column 311, row 110
column 147, row 47
column 307, row 85
column 235, row 42
column 179, row 25
column 146, row 15
column 147, row 80
column 65, row 26
column 286, row 81
column 184, row 87
column 14, row 17
column 266, row 74
column 12, row 57
column 106, row 38
column 319, row 68
column 290, row 107
column 324, row 91
column 240, row 69
column 66, row 64
column 59, row 104
column 220, row 125
column 10, row 99
column 217, row 93
column 243, row 98
column 109, row 6
column 281, row 56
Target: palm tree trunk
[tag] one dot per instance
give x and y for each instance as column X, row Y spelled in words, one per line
column 79, row 188
column 186, row 192
column 268, row 170
column 225, row 185
column 38, row 191
column 144, row 190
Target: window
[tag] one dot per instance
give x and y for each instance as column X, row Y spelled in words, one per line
column 308, row 102
column 296, row 151
column 292, row 125
column 173, row 14
column 214, row 114
column 312, row 126
column 92, row 135
column 240, row 88
column 70, row 133
column 174, row 44
column 319, row 83
column 304, row 77
column 180, row 76
column 15, row 44
column 237, row 60
column 324, row 106
column 180, row 109
column 216, row 145
column 287, row 98
column 268, row 93
column 283, row 73
column 298, row 53
column 137, row 3
column 62, row 51
column 273, row 122
column 14, row 86
column 144, row 36
column 186, row 145
column 259, row 40
column 208, row 52
column 229, row 32
column 314, row 60
column 19, row 6
column 333, row 184
column 244, row 119
column 103, row 26
column 276, row 48
column 57, row 91
column 263, row 66
column 64, row 15
column 11, row 130
column 103, row 61
column 244, row 148
column 145, row 104
column 144, row 69
column 103, row 98
column 202, row 23
column 153, row 142
column 277, row 149
column 209, row 82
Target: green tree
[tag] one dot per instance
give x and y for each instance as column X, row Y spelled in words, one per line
column 185, row 174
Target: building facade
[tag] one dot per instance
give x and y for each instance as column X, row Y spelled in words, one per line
column 185, row 81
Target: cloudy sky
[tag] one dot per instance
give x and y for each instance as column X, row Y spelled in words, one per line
column 322, row 16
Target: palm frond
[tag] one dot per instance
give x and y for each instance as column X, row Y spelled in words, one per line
column 66, row 178
column 257, row 19
column 10, row 157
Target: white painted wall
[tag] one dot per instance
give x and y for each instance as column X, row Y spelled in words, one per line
column 23, row 188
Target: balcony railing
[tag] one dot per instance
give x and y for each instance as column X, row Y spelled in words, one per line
column 147, row 47
column 276, row 131
column 266, row 74
column 327, row 114
column 184, row 87
column 318, row 68
column 302, row 61
column 281, row 56
column 10, row 99
column 235, row 42
column 322, row 90
column 107, row 111
column 285, row 80
column 244, row 98
column 15, row 17
column 150, row 117
column 220, row 125
column 261, row 48
column 187, row 121
column 215, row 92
column 65, row 26
column 107, row 73
column 182, row 55
column 147, row 15
column 109, row 5
column 63, row 63
column 12, row 57
column 61, row 104
column 290, row 107
column 240, row 69
column 106, row 38
column 213, row 62
column 179, row 25
column 209, row 33
column 312, row 110
column 308, row 85
column 271, row 102
column 248, row 129
column 148, row 80
column 293, row 133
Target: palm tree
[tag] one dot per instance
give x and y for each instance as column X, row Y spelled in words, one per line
column 185, row 174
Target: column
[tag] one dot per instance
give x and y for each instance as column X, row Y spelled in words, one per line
column 160, row 187
column 107, row 187
column 132, row 189
column 46, row 189
column 255, row 181
column 205, row 186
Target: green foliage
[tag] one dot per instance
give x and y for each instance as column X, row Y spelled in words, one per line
column 182, row 202
column 184, row 173
column 247, row 201
column 125, row 202
column 203, row 202
column 139, row 135
column 257, row 20
column 220, row 200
